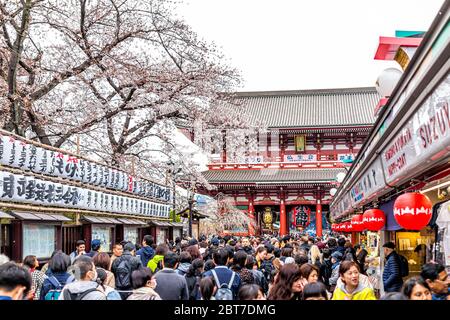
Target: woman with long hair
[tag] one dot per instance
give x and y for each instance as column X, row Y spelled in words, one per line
column 239, row 260
column 193, row 277
column 288, row 284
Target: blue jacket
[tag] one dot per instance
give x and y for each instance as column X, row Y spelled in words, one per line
column 146, row 254
column 62, row 277
column 392, row 280
column 224, row 274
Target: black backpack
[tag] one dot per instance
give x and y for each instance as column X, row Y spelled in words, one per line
column 123, row 274
column 77, row 296
column 404, row 266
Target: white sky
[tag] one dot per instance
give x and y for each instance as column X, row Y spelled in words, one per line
column 305, row 44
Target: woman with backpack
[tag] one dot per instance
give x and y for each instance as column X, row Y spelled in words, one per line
column 193, row 277
column 57, row 276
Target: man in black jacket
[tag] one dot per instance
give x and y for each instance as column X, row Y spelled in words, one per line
column 392, row 279
column 123, row 267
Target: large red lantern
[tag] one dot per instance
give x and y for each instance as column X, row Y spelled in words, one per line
column 374, row 219
column 413, row 211
column 357, row 223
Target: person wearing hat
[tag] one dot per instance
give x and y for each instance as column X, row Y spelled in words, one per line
column 95, row 247
column 336, row 258
column 392, row 279
column 123, row 267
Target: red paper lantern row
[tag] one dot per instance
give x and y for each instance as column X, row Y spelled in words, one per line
column 413, row 211
column 357, row 223
column 374, row 219
column 347, row 227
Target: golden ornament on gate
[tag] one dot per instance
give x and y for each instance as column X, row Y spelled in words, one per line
column 267, row 218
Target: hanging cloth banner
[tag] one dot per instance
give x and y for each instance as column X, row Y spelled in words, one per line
column 28, row 157
column 29, row 189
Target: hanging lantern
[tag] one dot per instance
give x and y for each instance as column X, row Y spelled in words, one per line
column 333, row 227
column 374, row 219
column 346, row 227
column 357, row 223
column 413, row 211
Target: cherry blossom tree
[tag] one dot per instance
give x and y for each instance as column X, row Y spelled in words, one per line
column 107, row 73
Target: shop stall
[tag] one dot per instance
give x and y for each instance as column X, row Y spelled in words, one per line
column 36, row 234
column 101, row 228
column 404, row 165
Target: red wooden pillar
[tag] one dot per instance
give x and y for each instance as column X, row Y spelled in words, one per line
column 318, row 219
column 251, row 210
column 283, row 222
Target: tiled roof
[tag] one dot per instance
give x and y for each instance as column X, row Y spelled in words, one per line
column 270, row 176
column 312, row 108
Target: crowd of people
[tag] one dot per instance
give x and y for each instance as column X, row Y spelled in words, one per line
column 218, row 268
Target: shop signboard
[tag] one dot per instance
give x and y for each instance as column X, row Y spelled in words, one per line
column 28, row 157
column 368, row 185
column 29, row 189
column 425, row 137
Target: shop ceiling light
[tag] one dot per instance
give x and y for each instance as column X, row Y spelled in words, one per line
column 444, row 184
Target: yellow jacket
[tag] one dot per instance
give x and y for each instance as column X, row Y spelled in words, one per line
column 361, row 293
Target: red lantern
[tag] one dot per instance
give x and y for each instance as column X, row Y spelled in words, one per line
column 413, row 211
column 374, row 219
column 357, row 223
column 347, row 227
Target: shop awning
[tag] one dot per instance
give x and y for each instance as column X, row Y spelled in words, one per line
column 131, row 221
column 112, row 220
column 4, row 215
column 177, row 224
column 160, row 223
column 101, row 220
column 39, row 216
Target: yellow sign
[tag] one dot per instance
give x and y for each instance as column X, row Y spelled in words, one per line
column 300, row 141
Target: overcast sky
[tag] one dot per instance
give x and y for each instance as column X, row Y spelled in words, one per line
column 301, row 44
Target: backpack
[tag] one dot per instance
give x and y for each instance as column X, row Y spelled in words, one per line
column 404, row 267
column 224, row 292
column 123, row 274
column 53, row 294
column 77, row 296
column 267, row 267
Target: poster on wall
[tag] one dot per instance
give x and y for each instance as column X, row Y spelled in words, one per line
column 130, row 234
column 38, row 240
column 104, row 235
